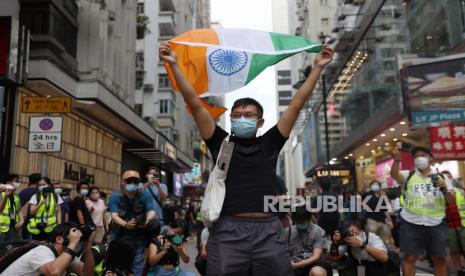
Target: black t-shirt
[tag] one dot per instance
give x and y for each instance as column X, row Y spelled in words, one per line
column 372, row 203
column 252, row 170
column 79, row 203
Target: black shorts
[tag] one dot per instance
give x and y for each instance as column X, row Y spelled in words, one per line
column 238, row 246
column 415, row 239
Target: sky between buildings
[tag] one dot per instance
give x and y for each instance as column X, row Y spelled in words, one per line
column 257, row 15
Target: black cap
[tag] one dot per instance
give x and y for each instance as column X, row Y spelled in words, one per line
column 423, row 149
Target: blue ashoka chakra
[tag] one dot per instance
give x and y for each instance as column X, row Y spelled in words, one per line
column 227, row 62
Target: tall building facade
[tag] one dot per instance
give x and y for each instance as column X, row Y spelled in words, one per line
column 85, row 51
column 156, row 101
column 313, row 20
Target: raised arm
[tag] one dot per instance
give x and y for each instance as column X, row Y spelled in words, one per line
column 287, row 120
column 395, row 169
column 202, row 118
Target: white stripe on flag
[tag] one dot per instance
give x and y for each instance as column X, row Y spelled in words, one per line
column 254, row 41
column 279, row 52
column 219, row 81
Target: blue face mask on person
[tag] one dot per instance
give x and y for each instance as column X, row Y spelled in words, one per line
column 301, row 226
column 131, row 187
column 244, row 127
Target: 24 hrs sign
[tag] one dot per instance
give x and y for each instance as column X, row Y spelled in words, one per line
column 45, row 134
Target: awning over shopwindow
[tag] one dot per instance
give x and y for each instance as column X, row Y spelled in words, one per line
column 163, row 153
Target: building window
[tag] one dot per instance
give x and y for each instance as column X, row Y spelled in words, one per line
column 285, row 94
column 284, row 77
column 284, row 102
column 138, row 108
column 166, row 131
column 324, row 21
column 163, row 81
column 139, row 79
column 164, row 106
column 140, row 8
column 140, row 60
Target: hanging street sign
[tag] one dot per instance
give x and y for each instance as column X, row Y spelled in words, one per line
column 45, row 105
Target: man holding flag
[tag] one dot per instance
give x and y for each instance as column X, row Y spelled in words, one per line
column 245, row 240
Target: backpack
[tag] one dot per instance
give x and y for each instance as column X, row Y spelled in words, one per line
column 13, row 250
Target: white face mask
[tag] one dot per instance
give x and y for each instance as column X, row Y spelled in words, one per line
column 421, row 163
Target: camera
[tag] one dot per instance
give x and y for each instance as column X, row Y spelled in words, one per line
column 344, row 234
column 47, row 190
column 301, row 257
column 41, row 225
column 86, row 230
column 435, row 178
column 173, row 238
column 140, row 219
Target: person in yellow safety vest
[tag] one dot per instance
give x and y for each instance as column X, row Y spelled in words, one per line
column 455, row 217
column 44, row 210
column 423, row 228
column 99, row 252
column 11, row 218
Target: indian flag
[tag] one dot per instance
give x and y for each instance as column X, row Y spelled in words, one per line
column 217, row 61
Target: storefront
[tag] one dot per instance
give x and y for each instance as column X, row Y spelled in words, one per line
column 407, row 48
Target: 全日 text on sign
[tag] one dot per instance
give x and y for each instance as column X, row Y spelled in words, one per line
column 45, row 105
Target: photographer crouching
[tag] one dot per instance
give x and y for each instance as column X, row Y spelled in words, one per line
column 165, row 251
column 132, row 214
column 366, row 252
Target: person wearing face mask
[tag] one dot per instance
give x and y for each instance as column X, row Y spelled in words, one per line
column 423, row 227
column 64, row 207
column 379, row 219
column 251, row 175
column 11, row 217
column 78, row 212
column 364, row 250
column 97, row 210
column 158, row 190
column 132, row 214
column 44, row 211
column 306, row 242
column 56, row 257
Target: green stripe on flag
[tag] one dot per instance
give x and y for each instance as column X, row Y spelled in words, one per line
column 259, row 63
column 289, row 42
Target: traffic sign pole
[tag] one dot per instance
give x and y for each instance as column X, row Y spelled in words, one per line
column 43, row 170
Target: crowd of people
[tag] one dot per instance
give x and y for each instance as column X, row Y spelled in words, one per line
column 137, row 231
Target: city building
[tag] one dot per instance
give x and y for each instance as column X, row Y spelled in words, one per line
column 155, row 99
column 313, row 20
column 394, row 51
column 86, row 52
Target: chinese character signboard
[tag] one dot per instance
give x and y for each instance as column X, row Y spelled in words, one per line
column 45, row 105
column 45, row 134
column 448, row 143
column 434, row 92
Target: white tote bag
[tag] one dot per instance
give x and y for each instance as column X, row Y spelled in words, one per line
column 215, row 192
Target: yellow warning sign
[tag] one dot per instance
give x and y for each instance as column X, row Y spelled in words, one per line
column 45, row 105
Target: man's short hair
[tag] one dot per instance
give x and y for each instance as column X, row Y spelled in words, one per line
column 248, row 101
column 421, row 149
column 80, row 184
column 34, row 178
column 62, row 231
column 12, row 176
column 120, row 254
column 152, row 168
column 301, row 214
column 354, row 222
column 47, row 180
column 325, row 183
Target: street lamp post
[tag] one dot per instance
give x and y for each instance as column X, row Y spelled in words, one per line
column 325, row 107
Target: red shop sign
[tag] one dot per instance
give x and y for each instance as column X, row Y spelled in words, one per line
column 448, row 143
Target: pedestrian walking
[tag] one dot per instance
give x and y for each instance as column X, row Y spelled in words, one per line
column 246, row 240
